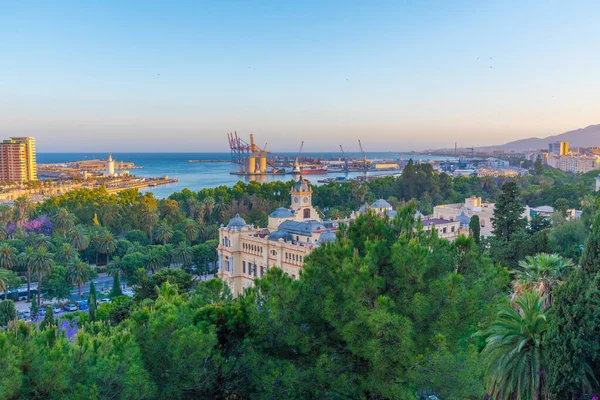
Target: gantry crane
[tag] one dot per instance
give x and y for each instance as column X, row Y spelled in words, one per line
column 345, row 158
column 365, row 165
column 296, row 168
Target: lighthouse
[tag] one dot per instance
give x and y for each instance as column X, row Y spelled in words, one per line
column 110, row 166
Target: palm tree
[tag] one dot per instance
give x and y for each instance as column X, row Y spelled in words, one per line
column 148, row 218
column 66, row 254
column 4, row 279
column 63, row 221
column 42, row 262
column 220, row 204
column 22, row 209
column 113, row 266
column 78, row 238
column 156, row 260
column 39, row 240
column 513, row 354
column 108, row 244
column 167, row 292
column 79, row 273
column 7, row 256
column 6, row 214
column 192, row 205
column 183, row 254
column 544, row 273
column 163, row 232
column 3, row 232
column 24, row 261
column 209, row 206
column 190, row 230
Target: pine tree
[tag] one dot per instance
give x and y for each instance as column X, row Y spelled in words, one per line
column 590, row 259
column 538, row 166
column 508, row 213
column 48, row 320
column 116, row 288
column 475, row 229
column 92, row 302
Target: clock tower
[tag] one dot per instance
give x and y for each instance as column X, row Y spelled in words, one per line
column 302, row 201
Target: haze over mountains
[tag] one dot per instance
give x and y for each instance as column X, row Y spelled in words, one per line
column 585, row 137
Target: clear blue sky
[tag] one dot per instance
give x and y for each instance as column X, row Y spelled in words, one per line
column 177, row 76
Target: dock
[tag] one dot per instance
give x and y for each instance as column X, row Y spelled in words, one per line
column 209, row 161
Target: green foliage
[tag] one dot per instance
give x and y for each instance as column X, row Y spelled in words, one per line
column 92, row 305
column 57, row 285
column 475, row 229
column 116, row 287
column 513, row 356
column 8, row 312
column 590, row 259
column 49, row 321
column 573, row 349
column 145, row 289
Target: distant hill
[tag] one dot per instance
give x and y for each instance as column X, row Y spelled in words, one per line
column 586, row 137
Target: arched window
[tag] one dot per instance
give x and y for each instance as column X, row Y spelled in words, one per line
column 307, row 213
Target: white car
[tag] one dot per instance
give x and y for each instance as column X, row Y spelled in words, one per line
column 70, row 307
column 55, row 309
column 105, row 300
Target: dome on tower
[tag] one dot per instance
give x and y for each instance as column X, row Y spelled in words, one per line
column 326, row 237
column 237, row 222
column 463, row 220
column 381, row 203
column 281, row 212
column 301, row 185
column 275, row 236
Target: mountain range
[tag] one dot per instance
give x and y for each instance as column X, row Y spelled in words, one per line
column 585, row 137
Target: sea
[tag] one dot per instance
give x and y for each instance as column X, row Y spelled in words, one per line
column 197, row 176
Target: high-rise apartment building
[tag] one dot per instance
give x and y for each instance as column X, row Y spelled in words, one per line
column 558, row 148
column 18, row 160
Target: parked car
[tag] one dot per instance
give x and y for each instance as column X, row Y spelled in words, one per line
column 26, row 314
column 70, row 307
column 83, row 305
column 105, row 300
column 55, row 309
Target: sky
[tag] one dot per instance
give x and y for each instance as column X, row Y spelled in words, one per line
column 148, row 76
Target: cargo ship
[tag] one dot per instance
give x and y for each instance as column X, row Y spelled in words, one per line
column 313, row 169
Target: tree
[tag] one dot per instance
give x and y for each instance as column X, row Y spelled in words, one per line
column 116, row 288
column 146, row 287
column 79, row 272
column 108, row 244
column 513, row 354
column 78, row 238
column 92, row 302
column 49, row 321
column 561, row 205
column 508, row 213
column 590, row 259
column 56, row 284
column 66, row 254
column 539, row 223
column 163, row 232
column 23, row 208
column 8, row 280
column 475, row 229
column 190, row 230
column 7, row 256
column 63, row 221
column 544, row 273
column 573, row 349
column 157, row 258
column 538, row 166
column 8, row 312
column 42, row 263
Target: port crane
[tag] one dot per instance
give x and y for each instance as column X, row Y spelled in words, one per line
column 472, row 151
column 296, row 168
column 345, row 158
column 365, row 165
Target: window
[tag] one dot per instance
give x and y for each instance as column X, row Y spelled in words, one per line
column 444, row 230
column 254, row 269
column 452, row 229
column 307, row 213
column 262, row 271
column 244, row 266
